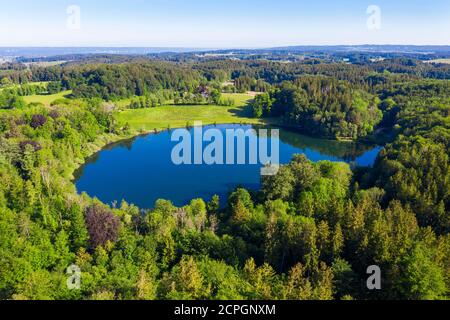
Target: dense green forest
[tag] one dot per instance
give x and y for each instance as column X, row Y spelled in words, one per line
column 322, row 106
column 309, row 233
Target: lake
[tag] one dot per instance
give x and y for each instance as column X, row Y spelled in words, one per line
column 141, row 170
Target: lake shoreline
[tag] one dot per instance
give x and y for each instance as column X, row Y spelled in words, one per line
column 143, row 133
column 130, row 170
column 134, row 135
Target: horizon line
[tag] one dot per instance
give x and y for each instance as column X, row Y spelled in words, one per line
column 228, row 47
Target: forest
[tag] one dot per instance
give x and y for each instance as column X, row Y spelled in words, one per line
column 310, row 232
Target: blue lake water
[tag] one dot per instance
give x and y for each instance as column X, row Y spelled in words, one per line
column 141, row 170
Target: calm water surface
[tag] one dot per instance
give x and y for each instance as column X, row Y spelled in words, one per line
column 141, row 171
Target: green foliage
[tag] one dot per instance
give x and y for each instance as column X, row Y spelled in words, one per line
column 309, row 233
column 322, row 106
column 422, row 278
column 10, row 100
column 262, row 105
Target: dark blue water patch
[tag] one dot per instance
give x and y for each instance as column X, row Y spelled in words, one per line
column 141, row 170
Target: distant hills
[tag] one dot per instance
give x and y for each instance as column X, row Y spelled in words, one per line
column 31, row 52
column 369, row 48
column 52, row 51
column 350, row 53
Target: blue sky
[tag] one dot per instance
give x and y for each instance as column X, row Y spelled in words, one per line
column 222, row 23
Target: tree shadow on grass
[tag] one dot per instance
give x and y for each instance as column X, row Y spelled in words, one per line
column 243, row 112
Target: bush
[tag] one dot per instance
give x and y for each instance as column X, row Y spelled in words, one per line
column 38, row 120
column 36, row 145
column 102, row 225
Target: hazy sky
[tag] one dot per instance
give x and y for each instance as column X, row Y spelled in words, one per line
column 221, row 23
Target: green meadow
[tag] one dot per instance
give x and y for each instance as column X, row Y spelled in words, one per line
column 179, row 116
column 46, row 99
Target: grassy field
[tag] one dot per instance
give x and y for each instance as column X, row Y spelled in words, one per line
column 445, row 61
column 172, row 116
column 180, row 116
column 240, row 99
column 46, row 99
column 37, row 83
column 45, row 63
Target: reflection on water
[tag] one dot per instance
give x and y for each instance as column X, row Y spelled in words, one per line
column 140, row 170
column 348, row 151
